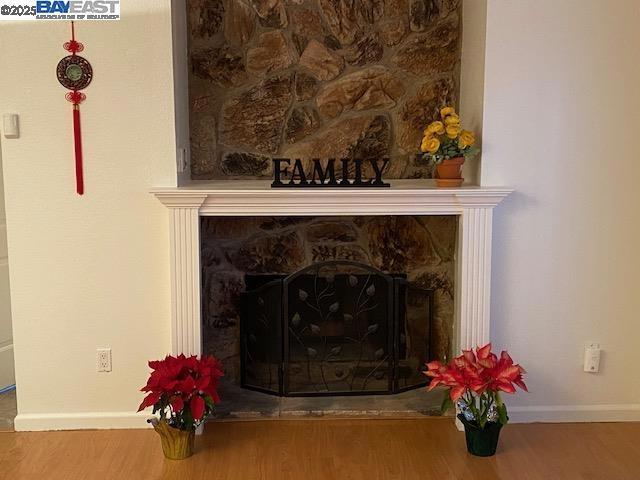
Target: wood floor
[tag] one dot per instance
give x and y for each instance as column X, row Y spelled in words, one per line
column 329, row 449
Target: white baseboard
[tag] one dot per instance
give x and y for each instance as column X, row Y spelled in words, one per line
column 26, row 422
column 629, row 412
column 123, row 420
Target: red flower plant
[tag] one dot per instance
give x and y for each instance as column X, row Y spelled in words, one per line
column 185, row 387
column 475, row 381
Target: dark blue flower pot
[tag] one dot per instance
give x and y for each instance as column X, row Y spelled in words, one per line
column 481, row 442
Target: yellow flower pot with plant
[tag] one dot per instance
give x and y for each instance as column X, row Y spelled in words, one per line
column 446, row 144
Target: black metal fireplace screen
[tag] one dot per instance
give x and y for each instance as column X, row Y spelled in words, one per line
column 334, row 328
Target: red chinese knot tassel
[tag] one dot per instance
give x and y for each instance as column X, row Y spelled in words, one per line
column 75, row 73
column 77, row 143
column 76, row 98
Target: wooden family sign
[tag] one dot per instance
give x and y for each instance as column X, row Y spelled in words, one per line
column 325, row 176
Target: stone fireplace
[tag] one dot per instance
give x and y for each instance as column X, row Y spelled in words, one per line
column 317, row 79
column 323, row 79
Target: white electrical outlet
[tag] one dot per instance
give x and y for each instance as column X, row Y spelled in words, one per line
column 103, row 357
column 592, row 357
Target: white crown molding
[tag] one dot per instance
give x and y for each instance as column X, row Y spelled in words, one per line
column 256, row 198
column 179, row 198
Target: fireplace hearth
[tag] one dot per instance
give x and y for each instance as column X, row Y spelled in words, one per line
column 334, row 328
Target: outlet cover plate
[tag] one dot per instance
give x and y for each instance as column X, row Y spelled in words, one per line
column 103, row 359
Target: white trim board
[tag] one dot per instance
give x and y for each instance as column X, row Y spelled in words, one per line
column 629, row 412
column 32, row 422
column 127, row 420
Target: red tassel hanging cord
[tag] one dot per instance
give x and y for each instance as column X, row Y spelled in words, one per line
column 76, row 98
column 77, row 143
column 73, row 46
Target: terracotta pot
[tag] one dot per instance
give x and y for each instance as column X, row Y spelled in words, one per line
column 176, row 444
column 449, row 172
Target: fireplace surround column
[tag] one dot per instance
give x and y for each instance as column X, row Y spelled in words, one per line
column 474, row 277
column 184, row 231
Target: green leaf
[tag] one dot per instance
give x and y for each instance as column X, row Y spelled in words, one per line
column 447, row 403
column 187, row 419
column 335, row 350
column 502, row 414
column 483, row 421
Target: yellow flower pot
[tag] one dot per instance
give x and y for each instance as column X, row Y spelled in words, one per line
column 176, row 444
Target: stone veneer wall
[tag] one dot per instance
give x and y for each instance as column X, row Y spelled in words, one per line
column 421, row 247
column 317, row 79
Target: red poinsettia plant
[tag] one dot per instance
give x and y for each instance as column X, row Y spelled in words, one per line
column 184, row 390
column 474, row 382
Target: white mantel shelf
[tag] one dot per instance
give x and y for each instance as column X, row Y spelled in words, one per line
column 256, row 197
column 472, row 204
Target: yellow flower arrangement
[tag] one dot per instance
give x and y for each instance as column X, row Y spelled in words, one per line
column 452, row 119
column 436, row 127
column 446, row 111
column 430, row 145
column 453, row 131
column 445, row 138
column 466, row 139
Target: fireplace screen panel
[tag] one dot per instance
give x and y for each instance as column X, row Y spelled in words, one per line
column 261, row 326
column 414, row 340
column 339, row 330
column 334, row 328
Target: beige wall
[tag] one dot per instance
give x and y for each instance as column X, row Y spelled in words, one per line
column 561, row 104
column 6, row 338
column 474, row 23
column 91, row 271
column 561, row 120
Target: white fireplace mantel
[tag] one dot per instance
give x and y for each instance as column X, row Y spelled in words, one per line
column 474, row 206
